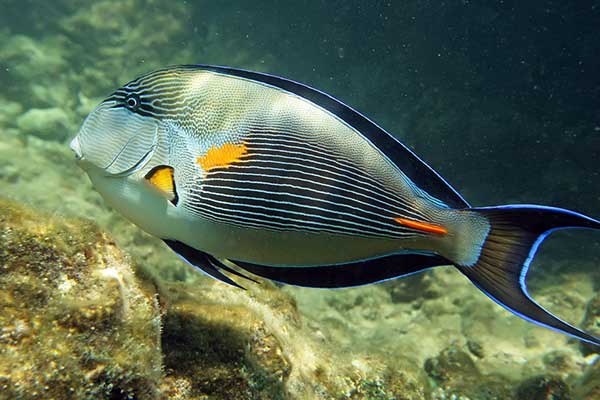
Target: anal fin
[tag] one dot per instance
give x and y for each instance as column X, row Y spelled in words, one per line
column 350, row 274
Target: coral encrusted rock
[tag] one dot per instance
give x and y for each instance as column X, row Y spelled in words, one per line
column 75, row 322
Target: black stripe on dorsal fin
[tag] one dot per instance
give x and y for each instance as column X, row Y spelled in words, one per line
column 350, row 274
column 205, row 262
column 408, row 162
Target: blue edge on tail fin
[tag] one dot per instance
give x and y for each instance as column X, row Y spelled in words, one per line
column 593, row 224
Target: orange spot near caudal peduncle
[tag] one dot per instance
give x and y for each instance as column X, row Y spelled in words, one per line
column 422, row 226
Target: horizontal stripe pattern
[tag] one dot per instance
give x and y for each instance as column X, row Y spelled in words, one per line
column 286, row 183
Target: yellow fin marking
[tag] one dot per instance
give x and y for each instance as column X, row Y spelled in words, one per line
column 222, row 156
column 422, row 226
column 161, row 177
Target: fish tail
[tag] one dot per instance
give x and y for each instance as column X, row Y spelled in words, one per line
column 500, row 269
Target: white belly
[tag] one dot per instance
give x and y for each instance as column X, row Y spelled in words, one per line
column 137, row 201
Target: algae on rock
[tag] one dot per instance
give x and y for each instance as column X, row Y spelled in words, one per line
column 224, row 343
column 75, row 321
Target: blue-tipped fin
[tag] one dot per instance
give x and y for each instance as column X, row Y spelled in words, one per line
column 501, row 270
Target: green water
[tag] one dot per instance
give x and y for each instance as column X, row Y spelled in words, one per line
column 501, row 98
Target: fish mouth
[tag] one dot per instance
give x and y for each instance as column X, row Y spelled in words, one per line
column 74, row 145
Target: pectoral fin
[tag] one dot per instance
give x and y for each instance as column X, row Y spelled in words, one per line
column 162, row 177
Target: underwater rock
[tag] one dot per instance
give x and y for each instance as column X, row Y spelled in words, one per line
column 117, row 33
column 452, row 368
column 588, row 386
column 561, row 362
column 37, row 72
column 456, row 376
column 544, row 388
column 221, row 342
column 220, row 350
column 591, row 323
column 9, row 110
column 47, row 123
column 27, row 60
column 414, row 288
column 75, row 321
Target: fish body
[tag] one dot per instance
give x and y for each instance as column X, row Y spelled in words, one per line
column 233, row 167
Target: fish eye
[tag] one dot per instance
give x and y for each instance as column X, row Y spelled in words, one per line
column 132, row 101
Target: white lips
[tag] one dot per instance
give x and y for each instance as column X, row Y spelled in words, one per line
column 76, row 147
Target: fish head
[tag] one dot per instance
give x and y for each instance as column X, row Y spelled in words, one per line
column 118, row 136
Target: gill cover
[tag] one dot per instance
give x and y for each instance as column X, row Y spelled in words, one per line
column 117, row 139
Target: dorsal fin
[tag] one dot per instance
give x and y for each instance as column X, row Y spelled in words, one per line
column 350, row 274
column 421, row 174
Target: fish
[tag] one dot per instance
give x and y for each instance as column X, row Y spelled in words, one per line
column 245, row 173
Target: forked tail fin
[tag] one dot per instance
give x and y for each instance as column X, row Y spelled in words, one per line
column 502, row 266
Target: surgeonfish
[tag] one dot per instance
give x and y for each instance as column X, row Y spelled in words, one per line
column 244, row 171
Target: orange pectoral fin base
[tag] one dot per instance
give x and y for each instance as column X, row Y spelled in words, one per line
column 222, row 156
column 162, row 178
column 422, row 226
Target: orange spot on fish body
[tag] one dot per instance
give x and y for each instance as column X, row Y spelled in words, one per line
column 222, row 156
column 422, row 226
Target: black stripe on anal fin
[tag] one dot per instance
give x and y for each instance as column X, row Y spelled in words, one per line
column 348, row 275
column 408, row 162
column 205, row 262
